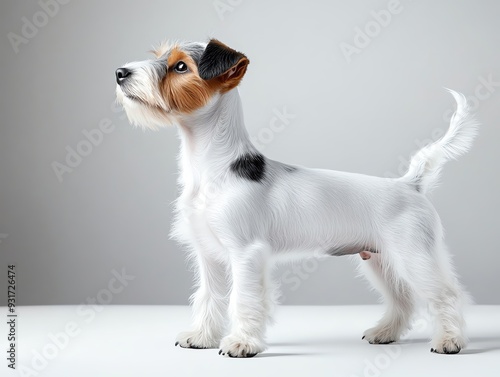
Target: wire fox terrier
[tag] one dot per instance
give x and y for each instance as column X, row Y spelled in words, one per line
column 240, row 212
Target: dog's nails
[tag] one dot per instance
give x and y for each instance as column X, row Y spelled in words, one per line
column 363, row 337
column 432, row 349
column 176, row 343
column 220, row 351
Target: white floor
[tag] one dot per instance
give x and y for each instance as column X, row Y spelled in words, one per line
column 138, row 341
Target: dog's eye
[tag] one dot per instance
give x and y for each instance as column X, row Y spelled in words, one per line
column 181, row 67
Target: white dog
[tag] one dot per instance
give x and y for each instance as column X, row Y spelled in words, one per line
column 240, row 212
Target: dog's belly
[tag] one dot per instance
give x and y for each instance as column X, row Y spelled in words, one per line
column 339, row 213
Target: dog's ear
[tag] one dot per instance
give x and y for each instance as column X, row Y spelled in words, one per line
column 223, row 63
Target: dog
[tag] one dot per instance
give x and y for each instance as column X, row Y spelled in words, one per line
column 239, row 213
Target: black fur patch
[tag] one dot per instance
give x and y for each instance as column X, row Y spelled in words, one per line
column 217, row 59
column 250, row 166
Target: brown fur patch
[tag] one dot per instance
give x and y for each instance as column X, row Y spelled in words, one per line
column 175, row 56
column 232, row 77
column 185, row 92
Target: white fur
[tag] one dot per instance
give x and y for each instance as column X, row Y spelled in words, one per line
column 237, row 229
column 426, row 165
column 157, row 112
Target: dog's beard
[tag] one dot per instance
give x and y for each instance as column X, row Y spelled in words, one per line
column 140, row 112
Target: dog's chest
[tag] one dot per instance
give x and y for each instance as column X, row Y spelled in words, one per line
column 197, row 211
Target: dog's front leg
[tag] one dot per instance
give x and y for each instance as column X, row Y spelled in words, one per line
column 209, row 304
column 248, row 305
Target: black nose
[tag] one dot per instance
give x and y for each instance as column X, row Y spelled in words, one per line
column 122, row 74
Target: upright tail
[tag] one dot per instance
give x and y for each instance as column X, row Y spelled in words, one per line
column 426, row 164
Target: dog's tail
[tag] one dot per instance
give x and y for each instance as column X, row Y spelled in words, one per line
column 426, row 164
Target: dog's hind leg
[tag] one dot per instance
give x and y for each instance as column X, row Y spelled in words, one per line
column 436, row 281
column 397, row 294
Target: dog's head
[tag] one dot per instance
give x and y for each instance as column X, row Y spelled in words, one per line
column 182, row 78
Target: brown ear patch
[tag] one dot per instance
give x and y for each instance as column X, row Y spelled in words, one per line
column 185, row 92
column 232, row 77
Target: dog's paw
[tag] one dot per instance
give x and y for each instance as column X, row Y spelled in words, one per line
column 380, row 335
column 240, row 346
column 449, row 345
column 196, row 339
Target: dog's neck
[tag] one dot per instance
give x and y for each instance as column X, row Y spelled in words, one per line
column 211, row 139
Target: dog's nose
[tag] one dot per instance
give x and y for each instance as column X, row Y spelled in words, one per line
column 122, row 74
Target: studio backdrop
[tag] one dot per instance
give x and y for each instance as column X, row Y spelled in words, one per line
column 357, row 86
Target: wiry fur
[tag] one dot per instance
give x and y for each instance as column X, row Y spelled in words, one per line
column 237, row 223
column 426, row 165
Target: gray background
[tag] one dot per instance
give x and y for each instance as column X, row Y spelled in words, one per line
column 367, row 115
